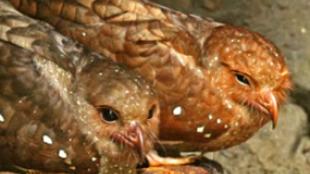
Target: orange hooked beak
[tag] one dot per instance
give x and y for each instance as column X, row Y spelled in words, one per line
column 269, row 105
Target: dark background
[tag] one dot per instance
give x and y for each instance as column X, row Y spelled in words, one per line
column 285, row 150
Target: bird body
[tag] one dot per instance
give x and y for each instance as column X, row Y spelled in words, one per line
column 218, row 84
column 66, row 109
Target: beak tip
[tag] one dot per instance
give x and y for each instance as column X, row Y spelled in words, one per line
column 274, row 117
column 274, row 125
column 272, row 106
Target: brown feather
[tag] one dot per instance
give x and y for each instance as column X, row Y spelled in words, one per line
column 193, row 63
column 52, row 92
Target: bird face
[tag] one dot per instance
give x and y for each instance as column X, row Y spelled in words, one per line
column 126, row 109
column 249, row 71
column 80, row 123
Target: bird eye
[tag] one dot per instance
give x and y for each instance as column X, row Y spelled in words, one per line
column 108, row 114
column 242, row 79
column 152, row 112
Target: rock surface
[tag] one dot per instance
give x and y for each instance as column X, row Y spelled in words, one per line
column 285, row 150
column 281, row 151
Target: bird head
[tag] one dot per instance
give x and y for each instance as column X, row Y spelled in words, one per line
column 126, row 111
column 247, row 70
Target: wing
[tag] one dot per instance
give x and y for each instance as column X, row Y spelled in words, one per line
column 36, row 107
column 42, row 39
column 28, row 105
column 148, row 38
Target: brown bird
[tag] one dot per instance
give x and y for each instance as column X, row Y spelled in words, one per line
column 218, row 84
column 65, row 109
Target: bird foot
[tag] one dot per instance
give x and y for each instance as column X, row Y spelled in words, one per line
column 155, row 160
column 181, row 165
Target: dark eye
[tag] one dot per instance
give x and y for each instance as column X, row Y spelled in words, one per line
column 108, row 114
column 242, row 79
column 152, row 112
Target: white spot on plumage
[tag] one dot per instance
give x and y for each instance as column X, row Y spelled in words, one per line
column 94, row 159
column 200, row 129
column 226, row 126
column 218, row 121
column 62, row 153
column 210, row 116
column 47, row 140
column 177, row 111
column 2, row 120
column 228, row 104
column 214, row 61
column 208, row 135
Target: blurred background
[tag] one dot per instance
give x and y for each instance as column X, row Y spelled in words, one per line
column 285, row 150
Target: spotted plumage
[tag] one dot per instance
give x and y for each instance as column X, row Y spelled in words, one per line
column 66, row 109
column 218, row 84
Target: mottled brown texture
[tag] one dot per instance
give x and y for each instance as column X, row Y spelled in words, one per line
column 56, row 100
column 229, row 81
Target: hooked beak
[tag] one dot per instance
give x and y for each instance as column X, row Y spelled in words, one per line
column 132, row 138
column 269, row 105
column 137, row 138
